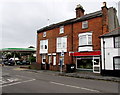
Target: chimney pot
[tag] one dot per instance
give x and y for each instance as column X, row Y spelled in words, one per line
column 104, row 4
column 79, row 11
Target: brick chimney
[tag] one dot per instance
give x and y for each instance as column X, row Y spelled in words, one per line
column 79, row 11
column 105, row 18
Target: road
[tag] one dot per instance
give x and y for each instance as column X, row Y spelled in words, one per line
column 16, row 80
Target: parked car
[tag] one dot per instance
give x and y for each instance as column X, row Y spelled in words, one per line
column 11, row 62
column 19, row 62
column 24, row 62
column 5, row 61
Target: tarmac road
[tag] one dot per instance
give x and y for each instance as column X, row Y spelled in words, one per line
column 17, row 80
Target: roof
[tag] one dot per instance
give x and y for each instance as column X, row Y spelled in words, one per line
column 18, row 49
column 70, row 21
column 114, row 32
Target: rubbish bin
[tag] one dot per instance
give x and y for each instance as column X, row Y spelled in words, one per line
column 70, row 68
column 47, row 66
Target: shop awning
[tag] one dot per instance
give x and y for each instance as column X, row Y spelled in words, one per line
column 90, row 53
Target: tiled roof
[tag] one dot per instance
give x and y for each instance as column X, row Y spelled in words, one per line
column 112, row 33
column 70, row 21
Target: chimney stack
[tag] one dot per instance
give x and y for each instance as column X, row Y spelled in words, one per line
column 79, row 11
column 105, row 17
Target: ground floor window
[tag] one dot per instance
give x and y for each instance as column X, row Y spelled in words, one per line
column 54, row 60
column 50, row 59
column 117, row 62
column 43, row 59
column 91, row 63
column 85, row 63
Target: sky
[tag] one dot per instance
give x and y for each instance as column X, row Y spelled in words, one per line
column 20, row 19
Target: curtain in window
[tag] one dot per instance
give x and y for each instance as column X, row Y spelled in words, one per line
column 117, row 63
column 117, row 42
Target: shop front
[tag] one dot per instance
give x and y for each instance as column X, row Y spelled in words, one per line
column 88, row 61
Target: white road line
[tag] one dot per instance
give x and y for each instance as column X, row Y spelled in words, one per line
column 17, row 83
column 92, row 90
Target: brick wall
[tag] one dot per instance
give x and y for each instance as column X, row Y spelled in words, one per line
column 94, row 25
column 71, row 31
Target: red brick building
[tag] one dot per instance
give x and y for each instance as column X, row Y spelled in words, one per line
column 77, row 39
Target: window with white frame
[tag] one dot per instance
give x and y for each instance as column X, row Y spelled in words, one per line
column 117, row 63
column 117, row 42
column 85, row 39
column 43, row 59
column 44, row 34
column 61, row 29
column 54, row 60
column 43, row 46
column 50, row 59
column 84, row 24
column 62, row 44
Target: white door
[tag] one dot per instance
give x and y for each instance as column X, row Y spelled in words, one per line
column 96, row 64
column 54, row 60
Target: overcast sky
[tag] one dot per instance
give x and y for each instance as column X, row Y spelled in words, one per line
column 20, row 19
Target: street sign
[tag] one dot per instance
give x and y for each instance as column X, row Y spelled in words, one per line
column 62, row 53
column 61, row 60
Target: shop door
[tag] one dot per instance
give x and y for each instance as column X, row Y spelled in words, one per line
column 96, row 64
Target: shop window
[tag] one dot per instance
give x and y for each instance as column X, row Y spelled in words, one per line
column 117, row 42
column 84, row 24
column 116, row 63
column 85, row 64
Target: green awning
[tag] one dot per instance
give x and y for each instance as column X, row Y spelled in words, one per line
column 18, row 49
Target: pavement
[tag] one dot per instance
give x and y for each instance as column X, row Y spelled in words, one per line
column 78, row 74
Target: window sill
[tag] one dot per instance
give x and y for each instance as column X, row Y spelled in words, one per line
column 85, row 46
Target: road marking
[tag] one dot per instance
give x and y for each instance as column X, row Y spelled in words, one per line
column 92, row 90
column 17, row 83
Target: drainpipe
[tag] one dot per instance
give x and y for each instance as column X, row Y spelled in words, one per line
column 104, row 52
column 72, row 40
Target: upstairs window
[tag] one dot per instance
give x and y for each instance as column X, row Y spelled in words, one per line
column 85, row 39
column 61, row 29
column 117, row 42
column 84, row 24
column 62, row 44
column 44, row 34
column 44, row 44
